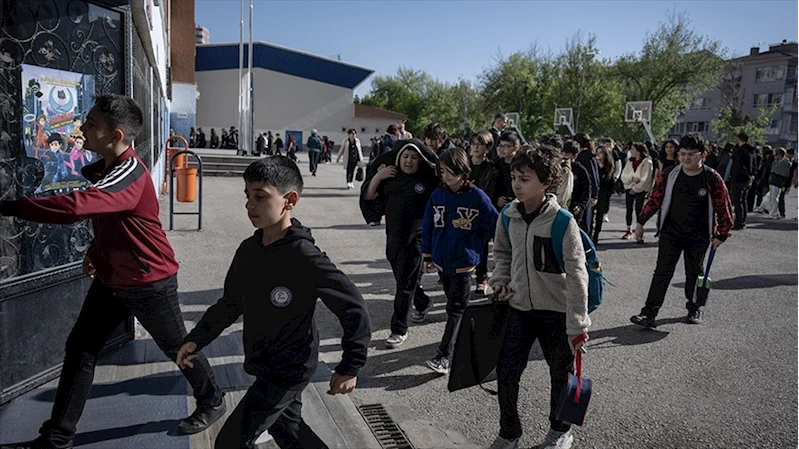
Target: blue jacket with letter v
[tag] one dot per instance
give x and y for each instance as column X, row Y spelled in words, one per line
column 455, row 226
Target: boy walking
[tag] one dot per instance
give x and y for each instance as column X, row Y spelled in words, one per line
column 688, row 195
column 548, row 302
column 457, row 221
column 281, row 341
column 132, row 264
column 483, row 175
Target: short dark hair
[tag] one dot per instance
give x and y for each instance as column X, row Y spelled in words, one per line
column 553, row 140
column 544, row 161
column 500, row 116
column 55, row 137
column 693, row 141
column 483, row 137
column 790, row 151
column 743, row 136
column 780, row 151
column 510, row 136
column 349, row 131
column 122, row 113
column 585, row 141
column 435, row 131
column 571, row 147
column 278, row 171
column 456, row 160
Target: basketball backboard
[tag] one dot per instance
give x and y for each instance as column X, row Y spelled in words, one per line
column 638, row 111
column 514, row 122
column 563, row 117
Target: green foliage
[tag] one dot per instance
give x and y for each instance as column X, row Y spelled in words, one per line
column 674, row 65
column 729, row 124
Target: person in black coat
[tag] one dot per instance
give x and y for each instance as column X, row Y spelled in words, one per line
column 581, row 191
column 741, row 177
column 498, row 125
column 588, row 161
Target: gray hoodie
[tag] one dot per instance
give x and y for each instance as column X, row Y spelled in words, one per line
column 532, row 271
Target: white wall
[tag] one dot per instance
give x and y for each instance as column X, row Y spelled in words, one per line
column 281, row 102
column 371, row 124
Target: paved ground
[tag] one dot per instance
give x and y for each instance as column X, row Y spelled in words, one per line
column 730, row 382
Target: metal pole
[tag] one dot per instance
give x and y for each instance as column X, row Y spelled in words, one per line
column 579, row 103
column 241, row 61
column 250, row 131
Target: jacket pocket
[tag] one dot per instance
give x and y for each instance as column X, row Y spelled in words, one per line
column 544, row 259
column 140, row 262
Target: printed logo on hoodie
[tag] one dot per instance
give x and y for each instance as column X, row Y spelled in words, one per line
column 281, row 296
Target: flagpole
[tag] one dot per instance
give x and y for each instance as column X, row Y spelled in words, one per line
column 241, row 66
column 251, row 121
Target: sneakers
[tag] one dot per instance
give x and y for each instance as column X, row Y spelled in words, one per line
column 419, row 316
column 694, row 317
column 202, row 418
column 501, row 443
column 395, row 340
column 374, row 223
column 439, row 364
column 558, row 440
column 350, row 185
column 628, row 234
column 643, row 320
column 606, row 219
column 482, row 288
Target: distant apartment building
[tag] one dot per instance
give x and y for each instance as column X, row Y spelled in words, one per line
column 202, row 35
column 765, row 79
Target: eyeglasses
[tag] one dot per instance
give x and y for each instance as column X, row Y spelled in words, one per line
column 477, row 144
column 506, row 146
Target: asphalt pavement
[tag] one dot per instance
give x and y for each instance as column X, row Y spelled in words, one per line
column 730, row 382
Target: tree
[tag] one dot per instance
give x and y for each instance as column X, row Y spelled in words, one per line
column 674, row 65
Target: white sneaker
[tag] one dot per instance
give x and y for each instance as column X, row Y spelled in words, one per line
column 606, row 219
column 501, row 443
column 558, row 440
column 350, row 185
column 395, row 340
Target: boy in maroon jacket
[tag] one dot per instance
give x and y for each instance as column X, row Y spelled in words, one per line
column 132, row 264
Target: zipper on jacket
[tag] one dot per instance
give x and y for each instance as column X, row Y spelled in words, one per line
column 139, row 261
column 526, row 268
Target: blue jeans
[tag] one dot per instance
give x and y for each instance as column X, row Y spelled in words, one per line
column 313, row 159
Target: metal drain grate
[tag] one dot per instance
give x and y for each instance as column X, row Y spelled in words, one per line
column 387, row 432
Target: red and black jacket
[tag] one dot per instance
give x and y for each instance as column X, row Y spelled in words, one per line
column 129, row 249
column 719, row 204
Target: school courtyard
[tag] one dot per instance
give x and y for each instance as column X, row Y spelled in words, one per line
column 729, row 382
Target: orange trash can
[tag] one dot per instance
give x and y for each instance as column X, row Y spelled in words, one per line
column 187, row 185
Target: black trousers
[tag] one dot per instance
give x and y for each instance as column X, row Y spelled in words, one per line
column 481, row 272
column 524, row 328
column 458, row 290
column 637, row 200
column 313, row 160
column 586, row 220
column 351, row 164
column 405, row 257
column 738, row 192
column 670, row 247
column 781, row 204
column 157, row 309
column 599, row 219
column 267, row 406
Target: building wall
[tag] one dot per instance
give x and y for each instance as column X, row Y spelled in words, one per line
column 183, row 45
column 281, row 102
column 183, row 108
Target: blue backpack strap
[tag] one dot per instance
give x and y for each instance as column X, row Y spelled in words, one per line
column 559, row 226
column 505, row 222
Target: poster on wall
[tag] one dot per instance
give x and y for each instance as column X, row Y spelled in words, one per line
column 54, row 105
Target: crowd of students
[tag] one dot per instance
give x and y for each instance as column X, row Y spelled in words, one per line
column 442, row 205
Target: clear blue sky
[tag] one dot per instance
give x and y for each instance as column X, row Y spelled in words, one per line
column 453, row 39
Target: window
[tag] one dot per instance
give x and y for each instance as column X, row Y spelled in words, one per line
column 702, row 127
column 774, row 128
column 700, row 104
column 791, row 73
column 766, row 100
column 768, row 74
column 678, row 128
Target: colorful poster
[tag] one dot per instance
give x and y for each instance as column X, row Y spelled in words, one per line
column 55, row 102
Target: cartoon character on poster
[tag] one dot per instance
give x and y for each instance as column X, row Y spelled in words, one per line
column 54, row 103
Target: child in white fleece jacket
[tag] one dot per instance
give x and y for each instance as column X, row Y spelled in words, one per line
column 547, row 302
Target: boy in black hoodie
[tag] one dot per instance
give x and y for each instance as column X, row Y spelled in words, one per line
column 280, row 337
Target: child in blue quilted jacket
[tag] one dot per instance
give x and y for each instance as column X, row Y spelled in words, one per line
column 458, row 219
